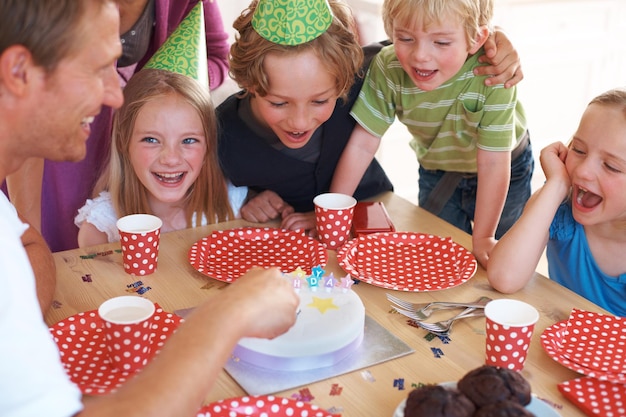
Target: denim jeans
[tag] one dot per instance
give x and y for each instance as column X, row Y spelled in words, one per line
column 460, row 208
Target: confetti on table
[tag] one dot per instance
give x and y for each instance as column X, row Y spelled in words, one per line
column 399, row 383
column 104, row 253
column 335, row 389
column 437, row 352
column 429, row 336
column 143, row 290
column 335, row 410
column 367, row 375
column 303, row 395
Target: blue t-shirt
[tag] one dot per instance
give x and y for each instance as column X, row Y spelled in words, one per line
column 571, row 264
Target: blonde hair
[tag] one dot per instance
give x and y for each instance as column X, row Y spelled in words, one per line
column 472, row 13
column 615, row 97
column 337, row 48
column 208, row 195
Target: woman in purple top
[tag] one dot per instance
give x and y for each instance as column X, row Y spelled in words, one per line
column 50, row 205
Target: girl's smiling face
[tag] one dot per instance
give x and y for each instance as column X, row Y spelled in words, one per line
column 432, row 53
column 596, row 162
column 167, row 147
column 301, row 97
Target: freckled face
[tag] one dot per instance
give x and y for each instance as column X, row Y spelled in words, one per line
column 434, row 53
column 167, row 147
column 596, row 163
column 300, row 98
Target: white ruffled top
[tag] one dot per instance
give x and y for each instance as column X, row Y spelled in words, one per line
column 100, row 212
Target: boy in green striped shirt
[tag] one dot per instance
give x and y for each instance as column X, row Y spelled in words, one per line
column 463, row 131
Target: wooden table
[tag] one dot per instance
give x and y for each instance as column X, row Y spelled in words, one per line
column 177, row 285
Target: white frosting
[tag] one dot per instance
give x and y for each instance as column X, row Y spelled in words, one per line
column 329, row 326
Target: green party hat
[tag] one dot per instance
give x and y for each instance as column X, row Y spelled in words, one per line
column 184, row 51
column 291, row 22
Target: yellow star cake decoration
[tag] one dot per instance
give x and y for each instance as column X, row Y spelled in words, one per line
column 323, row 304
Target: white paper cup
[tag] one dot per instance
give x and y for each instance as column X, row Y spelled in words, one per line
column 333, row 218
column 140, row 236
column 128, row 331
column 509, row 328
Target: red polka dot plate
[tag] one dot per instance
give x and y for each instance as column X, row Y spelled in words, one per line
column 80, row 339
column 590, row 343
column 228, row 254
column 263, row 406
column 595, row 397
column 407, row 261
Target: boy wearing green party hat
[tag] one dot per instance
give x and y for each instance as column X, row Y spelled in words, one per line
column 283, row 135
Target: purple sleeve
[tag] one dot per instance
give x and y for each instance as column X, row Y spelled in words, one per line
column 217, row 44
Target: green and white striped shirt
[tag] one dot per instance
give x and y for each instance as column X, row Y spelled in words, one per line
column 448, row 124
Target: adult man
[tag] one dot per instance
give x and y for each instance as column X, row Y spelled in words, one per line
column 56, row 71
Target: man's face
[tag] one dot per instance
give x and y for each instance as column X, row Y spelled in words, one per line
column 66, row 100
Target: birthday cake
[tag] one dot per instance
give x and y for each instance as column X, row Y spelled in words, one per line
column 329, row 326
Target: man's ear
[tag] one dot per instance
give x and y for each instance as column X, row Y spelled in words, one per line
column 479, row 40
column 15, row 63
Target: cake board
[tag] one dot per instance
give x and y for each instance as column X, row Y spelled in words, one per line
column 378, row 346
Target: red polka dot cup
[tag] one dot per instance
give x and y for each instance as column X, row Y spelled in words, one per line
column 140, row 235
column 509, row 329
column 333, row 218
column 127, row 331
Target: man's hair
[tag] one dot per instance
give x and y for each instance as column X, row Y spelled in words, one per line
column 47, row 28
column 472, row 14
column 337, row 48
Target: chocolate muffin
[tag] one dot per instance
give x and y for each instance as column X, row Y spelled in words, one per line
column 490, row 384
column 505, row 408
column 438, row 401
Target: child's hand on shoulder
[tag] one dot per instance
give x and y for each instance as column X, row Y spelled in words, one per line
column 504, row 62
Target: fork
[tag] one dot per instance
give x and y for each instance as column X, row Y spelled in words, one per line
column 443, row 327
column 424, row 310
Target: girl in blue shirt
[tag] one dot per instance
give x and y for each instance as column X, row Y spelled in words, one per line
column 579, row 213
